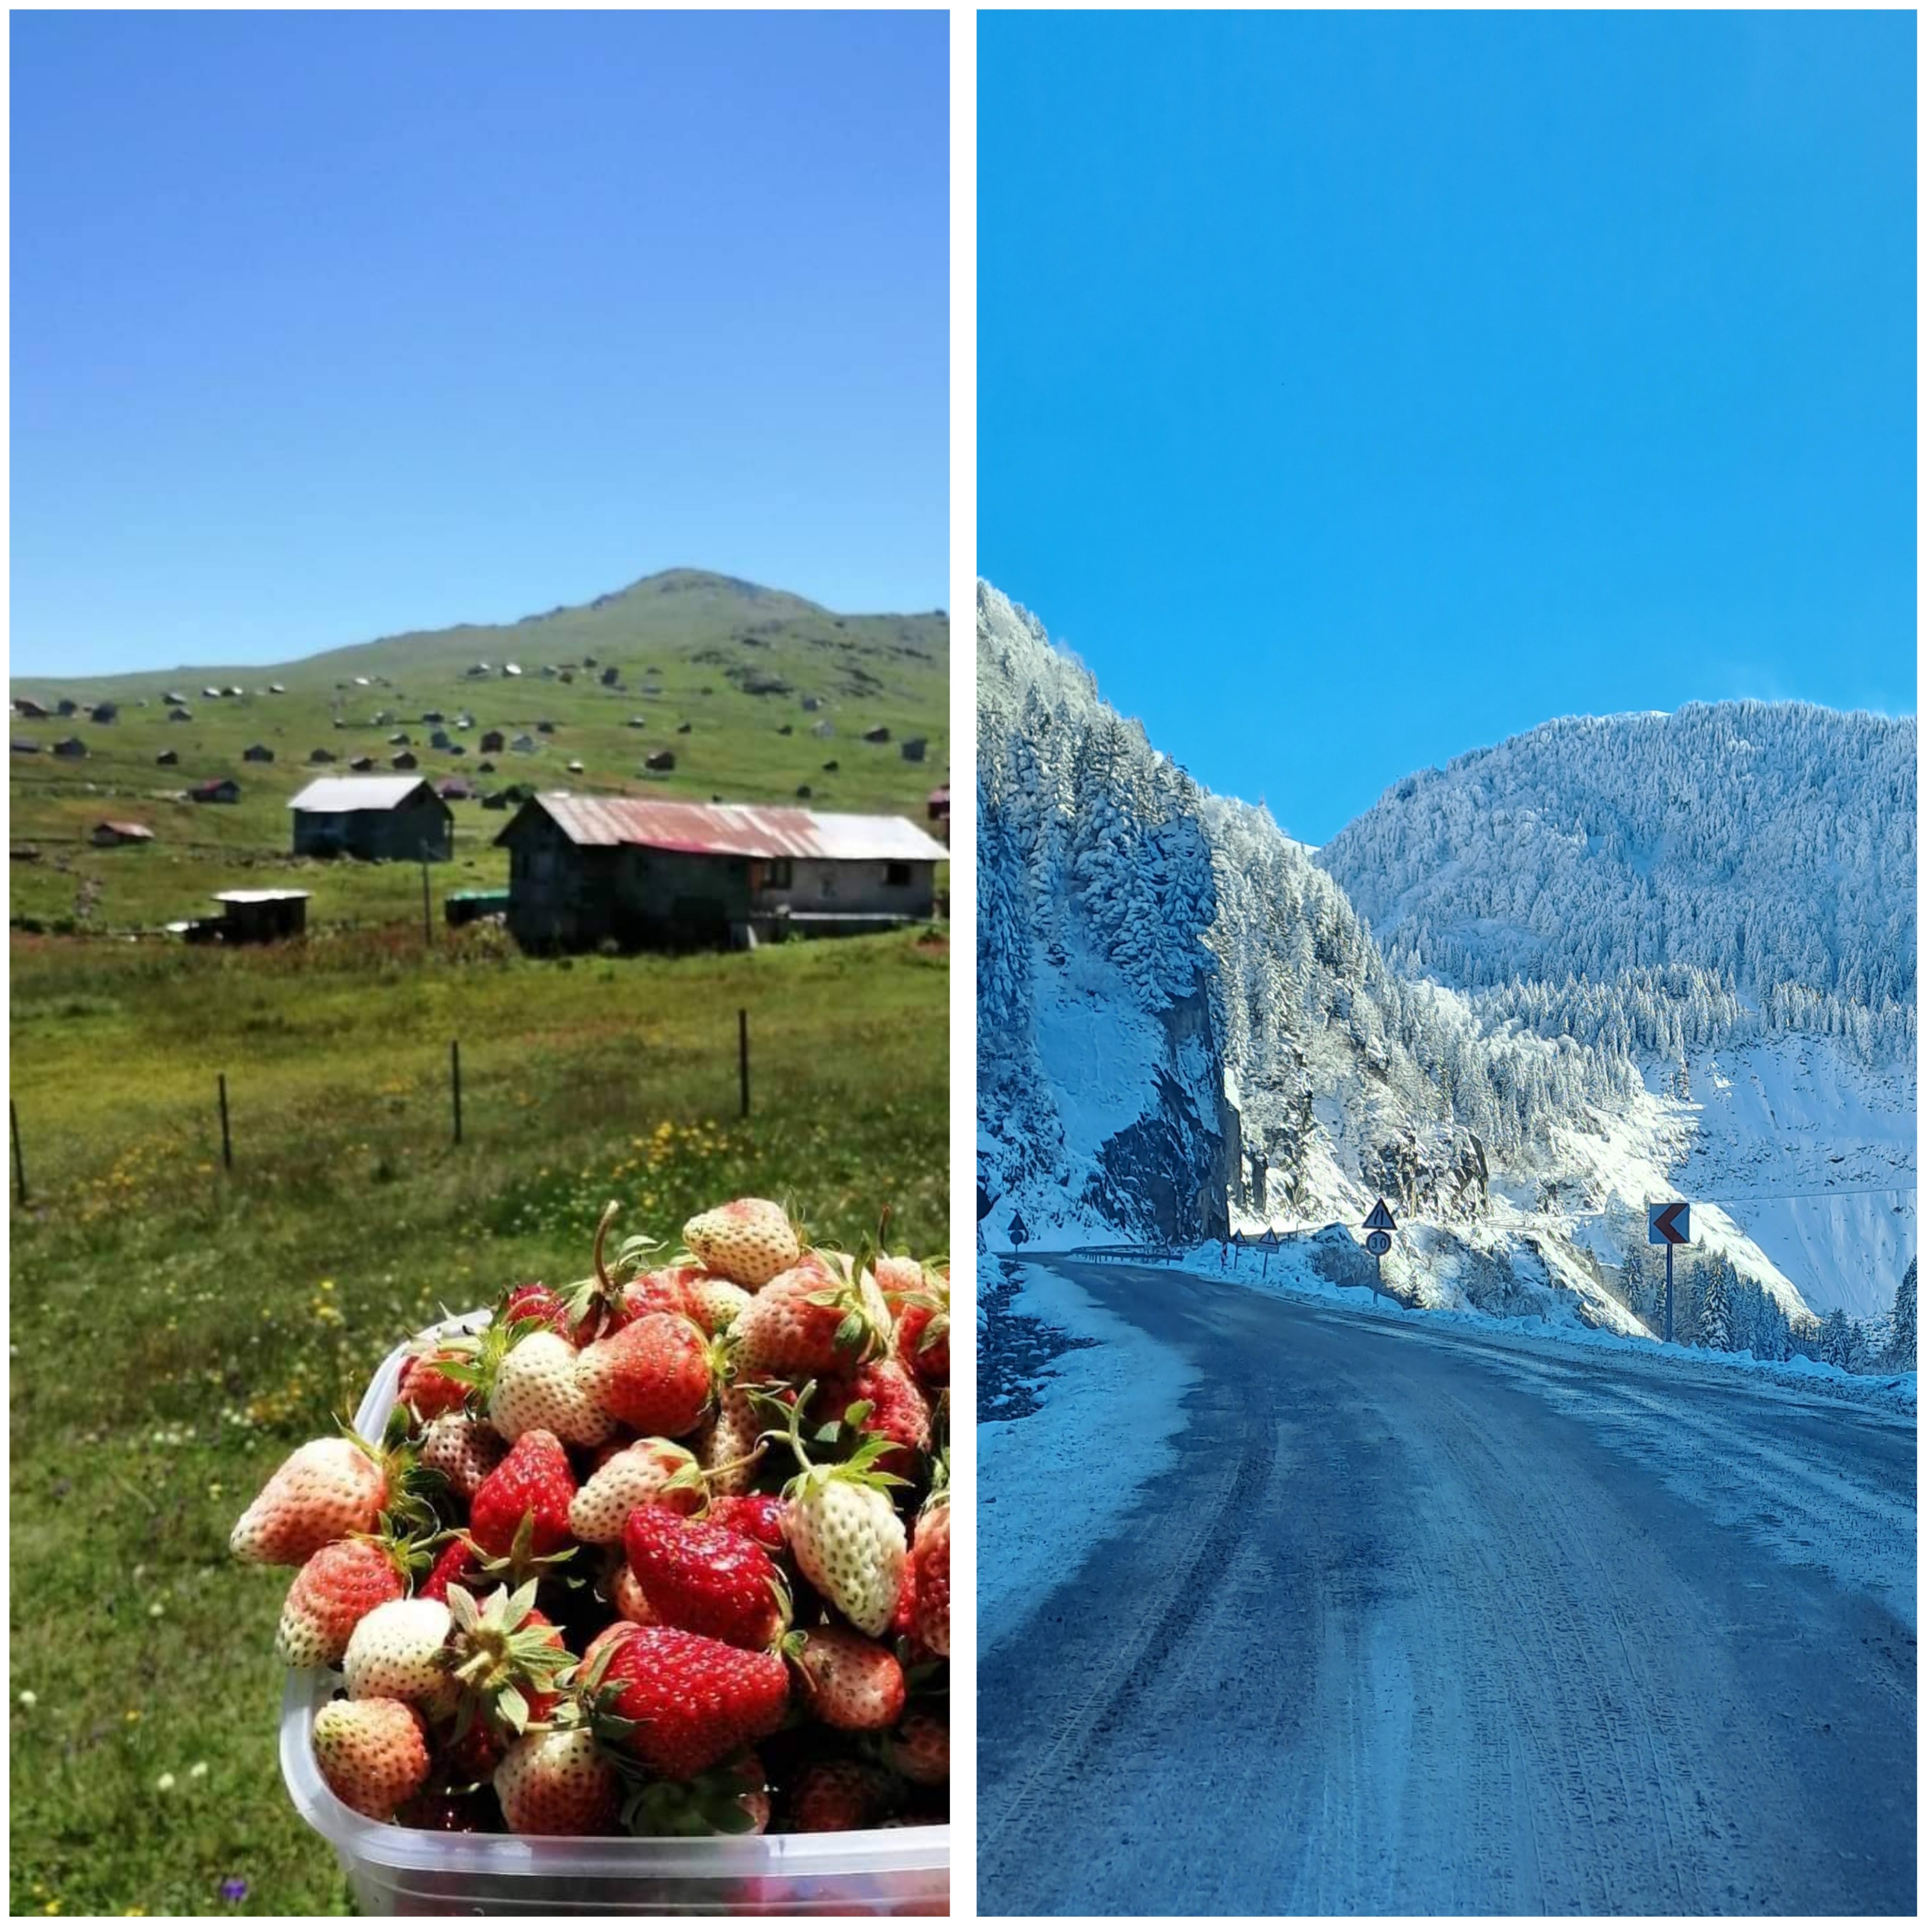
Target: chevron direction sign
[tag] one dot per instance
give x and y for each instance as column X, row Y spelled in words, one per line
column 1667, row 1223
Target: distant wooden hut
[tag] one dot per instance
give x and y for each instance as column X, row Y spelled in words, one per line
column 398, row 818
column 122, row 832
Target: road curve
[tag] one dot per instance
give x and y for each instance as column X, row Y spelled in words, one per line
column 1423, row 1621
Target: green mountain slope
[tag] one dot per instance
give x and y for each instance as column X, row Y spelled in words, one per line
column 773, row 689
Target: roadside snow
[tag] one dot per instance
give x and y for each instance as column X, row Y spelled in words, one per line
column 1115, row 1407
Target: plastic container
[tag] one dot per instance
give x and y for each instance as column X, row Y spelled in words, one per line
column 394, row 1870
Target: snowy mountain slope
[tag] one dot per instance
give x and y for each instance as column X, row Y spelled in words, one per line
column 1728, row 893
column 1772, row 843
column 1187, row 1027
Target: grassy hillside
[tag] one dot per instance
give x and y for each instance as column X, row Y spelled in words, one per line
column 176, row 1329
column 732, row 660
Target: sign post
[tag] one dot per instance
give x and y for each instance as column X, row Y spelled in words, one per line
column 1017, row 1232
column 1268, row 1243
column 1667, row 1228
column 1379, row 1225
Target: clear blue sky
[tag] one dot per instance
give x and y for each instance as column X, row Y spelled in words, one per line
column 1355, row 390
column 328, row 326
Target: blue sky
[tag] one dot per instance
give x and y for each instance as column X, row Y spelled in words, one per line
column 1355, row 390
column 328, row 326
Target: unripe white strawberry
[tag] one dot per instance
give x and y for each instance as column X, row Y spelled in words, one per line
column 465, row 1449
column 849, row 1681
column 326, row 1490
column 400, row 1650
column 643, row 1472
column 372, row 1754
column 538, row 1386
column 724, row 1445
column 715, row 1304
column 848, row 1542
column 749, row 1242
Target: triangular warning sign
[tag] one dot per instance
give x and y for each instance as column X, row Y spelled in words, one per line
column 1380, row 1217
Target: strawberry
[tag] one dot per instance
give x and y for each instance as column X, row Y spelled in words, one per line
column 628, row 1598
column 464, row 1449
column 680, row 1702
column 456, row 1564
column 837, row 1794
column 611, row 1633
column 749, row 1242
column 848, row 1681
column 326, row 1490
column 425, row 1386
column 725, row 1445
column 917, row 1750
column 534, row 1485
column 654, row 1375
column 758, row 1516
column 699, row 1576
column 921, row 1317
column 506, row 1660
column 653, row 1470
column 399, row 1650
column 373, row 1753
column 845, row 1536
column 660, row 1291
column 930, row 1562
column 535, row 1301
column 731, row 1801
column 558, row 1784
column 715, row 1305
column 818, row 1318
column 337, row 1586
column 896, row 1408
column 538, row 1386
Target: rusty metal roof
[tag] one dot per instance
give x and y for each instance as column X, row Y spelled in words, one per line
column 738, row 831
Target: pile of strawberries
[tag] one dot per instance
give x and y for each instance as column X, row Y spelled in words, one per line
column 666, row 1554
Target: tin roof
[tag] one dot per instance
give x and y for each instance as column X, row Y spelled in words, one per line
column 739, row 831
column 256, row 898
column 125, row 827
column 355, row 794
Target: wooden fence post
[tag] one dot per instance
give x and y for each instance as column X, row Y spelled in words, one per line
column 744, row 1095
column 20, row 1159
column 456, row 1050
column 225, row 1131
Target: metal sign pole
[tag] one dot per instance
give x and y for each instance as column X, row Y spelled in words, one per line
column 1669, row 1325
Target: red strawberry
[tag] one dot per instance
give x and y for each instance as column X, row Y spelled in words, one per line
column 928, row 1560
column 759, row 1516
column 699, row 1576
column 456, row 1564
column 614, row 1633
column 324, row 1491
column 837, row 1795
column 918, row 1751
column 558, row 1784
column 748, row 1241
column 337, row 1586
column 898, row 1410
column 372, row 1752
column 920, row 1307
column 690, row 1700
column 427, row 1389
column 535, row 1483
column 847, row 1681
column 659, row 1291
column 654, row 1375
column 535, row 1301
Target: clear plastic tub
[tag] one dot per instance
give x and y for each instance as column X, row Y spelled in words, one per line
column 394, row 1870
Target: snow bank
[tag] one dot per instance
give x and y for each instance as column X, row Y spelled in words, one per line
column 1116, row 1407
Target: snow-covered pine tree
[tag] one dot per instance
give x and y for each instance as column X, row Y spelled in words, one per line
column 1900, row 1337
column 1713, row 1326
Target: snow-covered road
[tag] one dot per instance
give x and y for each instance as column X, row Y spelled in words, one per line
column 1422, row 1621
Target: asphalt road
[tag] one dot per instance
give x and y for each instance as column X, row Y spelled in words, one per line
column 1422, row 1621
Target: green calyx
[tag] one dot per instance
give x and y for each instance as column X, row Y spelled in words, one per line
column 711, row 1804
column 498, row 1657
column 860, row 1465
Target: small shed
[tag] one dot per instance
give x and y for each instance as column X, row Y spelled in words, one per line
column 611, row 676
column 25, row 748
column 173, row 698
column 644, row 872
column 878, row 734
column 122, row 832
column 66, row 707
column 30, row 707
column 404, row 761
column 913, row 750
column 260, row 918
column 493, row 741
column 453, row 788
column 939, row 810
column 258, row 754
column 104, row 713
column 214, row 791
column 362, row 763
column 660, row 761
column 169, row 757
column 487, row 902
column 320, row 755
column 432, row 718
column 524, row 743
column 401, row 818
column 180, row 715
column 69, row 747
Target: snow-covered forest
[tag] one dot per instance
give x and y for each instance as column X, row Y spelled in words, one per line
column 1168, row 981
